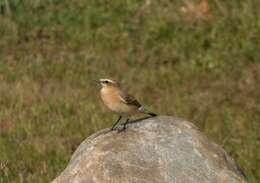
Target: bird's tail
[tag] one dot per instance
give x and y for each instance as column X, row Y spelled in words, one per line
column 144, row 110
column 152, row 114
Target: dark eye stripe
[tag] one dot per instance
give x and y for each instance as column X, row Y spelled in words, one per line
column 105, row 81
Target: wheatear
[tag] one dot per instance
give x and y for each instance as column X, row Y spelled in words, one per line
column 119, row 101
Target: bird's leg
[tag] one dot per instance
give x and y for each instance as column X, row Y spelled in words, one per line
column 124, row 127
column 114, row 125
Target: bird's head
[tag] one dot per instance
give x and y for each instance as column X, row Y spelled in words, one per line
column 107, row 83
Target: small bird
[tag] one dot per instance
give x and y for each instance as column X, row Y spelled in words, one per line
column 119, row 101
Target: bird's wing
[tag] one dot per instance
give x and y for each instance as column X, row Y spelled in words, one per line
column 129, row 99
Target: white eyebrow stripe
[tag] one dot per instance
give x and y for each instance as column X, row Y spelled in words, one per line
column 109, row 80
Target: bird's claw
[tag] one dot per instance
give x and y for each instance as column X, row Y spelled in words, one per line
column 119, row 130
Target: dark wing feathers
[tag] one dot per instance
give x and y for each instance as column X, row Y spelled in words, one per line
column 128, row 99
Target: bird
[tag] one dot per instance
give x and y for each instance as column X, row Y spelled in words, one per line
column 120, row 102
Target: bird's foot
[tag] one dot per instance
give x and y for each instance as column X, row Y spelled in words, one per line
column 119, row 130
column 113, row 128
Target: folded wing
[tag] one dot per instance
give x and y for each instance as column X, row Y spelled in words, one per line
column 129, row 99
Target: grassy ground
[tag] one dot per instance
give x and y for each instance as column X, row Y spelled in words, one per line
column 206, row 72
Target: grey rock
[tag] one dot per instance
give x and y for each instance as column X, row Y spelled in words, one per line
column 155, row 150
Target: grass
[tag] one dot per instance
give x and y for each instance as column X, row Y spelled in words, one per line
column 205, row 72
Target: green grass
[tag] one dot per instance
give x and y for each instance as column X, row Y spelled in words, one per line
column 207, row 72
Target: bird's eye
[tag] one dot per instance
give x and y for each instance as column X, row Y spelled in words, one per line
column 106, row 82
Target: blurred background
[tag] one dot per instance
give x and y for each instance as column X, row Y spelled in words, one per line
column 198, row 60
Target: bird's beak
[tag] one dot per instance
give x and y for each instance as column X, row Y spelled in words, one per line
column 96, row 81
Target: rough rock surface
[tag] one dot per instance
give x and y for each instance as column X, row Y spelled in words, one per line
column 155, row 150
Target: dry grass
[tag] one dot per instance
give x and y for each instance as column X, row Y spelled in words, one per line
column 208, row 73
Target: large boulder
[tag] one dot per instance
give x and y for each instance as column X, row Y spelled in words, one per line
column 155, row 150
